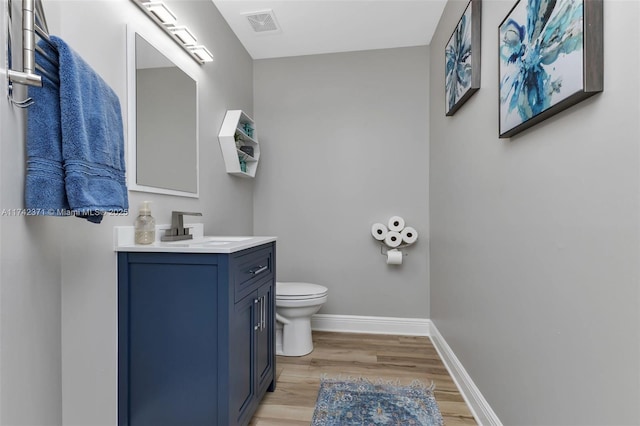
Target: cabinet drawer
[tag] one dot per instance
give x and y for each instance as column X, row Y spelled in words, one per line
column 249, row 268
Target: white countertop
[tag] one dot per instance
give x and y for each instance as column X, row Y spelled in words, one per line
column 124, row 240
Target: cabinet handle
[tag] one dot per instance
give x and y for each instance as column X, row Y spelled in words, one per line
column 263, row 317
column 259, row 324
column 258, row 270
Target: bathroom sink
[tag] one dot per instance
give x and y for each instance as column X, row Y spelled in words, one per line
column 207, row 241
column 222, row 239
column 204, row 242
column 216, row 241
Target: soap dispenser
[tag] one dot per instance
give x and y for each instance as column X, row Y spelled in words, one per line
column 145, row 225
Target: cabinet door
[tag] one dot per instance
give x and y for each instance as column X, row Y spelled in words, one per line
column 264, row 357
column 241, row 353
column 168, row 330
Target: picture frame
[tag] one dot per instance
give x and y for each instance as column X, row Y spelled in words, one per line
column 462, row 58
column 550, row 58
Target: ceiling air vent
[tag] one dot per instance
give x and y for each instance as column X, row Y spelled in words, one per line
column 263, row 21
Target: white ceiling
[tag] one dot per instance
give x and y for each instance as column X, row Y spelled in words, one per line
column 310, row 27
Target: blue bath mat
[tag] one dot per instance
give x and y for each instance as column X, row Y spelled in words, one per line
column 378, row 403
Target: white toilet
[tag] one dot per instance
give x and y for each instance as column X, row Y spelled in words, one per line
column 295, row 303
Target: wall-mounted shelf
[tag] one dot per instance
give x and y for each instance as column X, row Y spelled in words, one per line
column 238, row 129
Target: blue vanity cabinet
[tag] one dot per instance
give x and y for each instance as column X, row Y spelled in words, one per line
column 196, row 336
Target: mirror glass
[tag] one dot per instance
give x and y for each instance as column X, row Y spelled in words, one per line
column 163, row 123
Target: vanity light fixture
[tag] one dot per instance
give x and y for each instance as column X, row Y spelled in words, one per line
column 184, row 35
column 202, row 53
column 166, row 19
column 161, row 11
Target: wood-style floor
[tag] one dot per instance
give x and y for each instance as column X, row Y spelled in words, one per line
column 402, row 358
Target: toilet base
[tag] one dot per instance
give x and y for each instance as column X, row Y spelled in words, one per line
column 294, row 339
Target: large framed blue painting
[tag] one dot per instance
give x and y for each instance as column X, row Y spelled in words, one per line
column 462, row 59
column 550, row 58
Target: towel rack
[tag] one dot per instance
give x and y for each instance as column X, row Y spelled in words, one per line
column 33, row 22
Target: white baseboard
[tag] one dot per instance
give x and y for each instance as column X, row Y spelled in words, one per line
column 373, row 325
column 479, row 406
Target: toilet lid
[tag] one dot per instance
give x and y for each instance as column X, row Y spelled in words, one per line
column 299, row 290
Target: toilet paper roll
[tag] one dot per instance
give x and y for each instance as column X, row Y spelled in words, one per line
column 393, row 239
column 396, row 223
column 379, row 231
column 394, row 257
column 409, row 235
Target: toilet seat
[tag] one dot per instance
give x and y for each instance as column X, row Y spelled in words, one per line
column 299, row 291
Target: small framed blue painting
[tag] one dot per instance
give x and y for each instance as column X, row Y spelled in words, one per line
column 462, row 59
column 550, row 58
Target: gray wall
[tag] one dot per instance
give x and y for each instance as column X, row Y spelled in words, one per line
column 58, row 275
column 345, row 145
column 535, row 242
column 30, row 275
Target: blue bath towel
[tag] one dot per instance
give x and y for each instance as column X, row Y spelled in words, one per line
column 45, row 191
column 92, row 137
column 92, row 140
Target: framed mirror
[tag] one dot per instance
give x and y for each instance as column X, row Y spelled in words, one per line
column 163, row 120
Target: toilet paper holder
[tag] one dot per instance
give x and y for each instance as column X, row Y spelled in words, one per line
column 384, row 252
column 394, row 237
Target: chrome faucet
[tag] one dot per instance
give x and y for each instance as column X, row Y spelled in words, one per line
column 178, row 231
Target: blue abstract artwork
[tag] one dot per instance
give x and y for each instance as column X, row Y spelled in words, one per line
column 462, row 66
column 541, row 51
